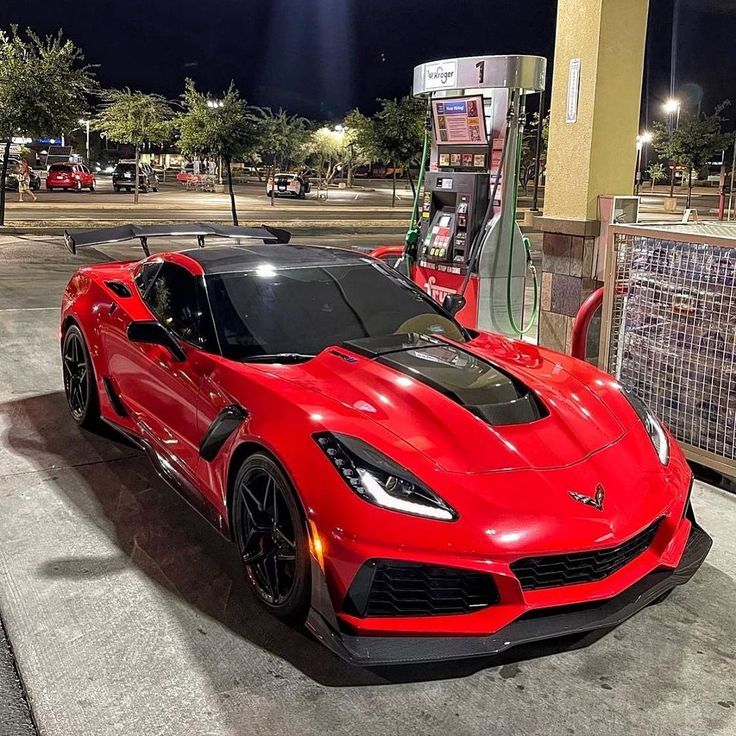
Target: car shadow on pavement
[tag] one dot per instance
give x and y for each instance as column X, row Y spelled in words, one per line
column 116, row 489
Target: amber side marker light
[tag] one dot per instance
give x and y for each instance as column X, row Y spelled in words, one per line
column 316, row 548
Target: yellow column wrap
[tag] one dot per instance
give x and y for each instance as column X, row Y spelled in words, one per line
column 597, row 153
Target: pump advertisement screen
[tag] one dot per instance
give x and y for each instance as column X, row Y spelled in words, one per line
column 460, row 120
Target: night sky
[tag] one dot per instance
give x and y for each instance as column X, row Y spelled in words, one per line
column 320, row 58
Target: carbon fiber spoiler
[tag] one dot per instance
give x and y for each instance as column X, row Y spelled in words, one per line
column 200, row 230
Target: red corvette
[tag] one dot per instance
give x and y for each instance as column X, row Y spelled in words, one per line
column 411, row 490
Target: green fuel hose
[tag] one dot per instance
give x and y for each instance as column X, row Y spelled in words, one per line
column 412, row 233
column 520, row 331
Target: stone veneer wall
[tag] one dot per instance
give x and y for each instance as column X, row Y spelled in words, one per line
column 567, row 280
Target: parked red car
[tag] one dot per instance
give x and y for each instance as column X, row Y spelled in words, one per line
column 70, row 176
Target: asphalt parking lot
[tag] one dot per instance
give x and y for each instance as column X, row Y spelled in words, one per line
column 128, row 615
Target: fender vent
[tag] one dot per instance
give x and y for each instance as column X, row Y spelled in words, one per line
column 118, row 288
column 115, row 400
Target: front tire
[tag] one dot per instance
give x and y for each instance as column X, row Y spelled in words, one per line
column 270, row 531
column 80, row 386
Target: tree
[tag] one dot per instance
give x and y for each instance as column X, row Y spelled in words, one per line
column 656, row 173
column 399, row 131
column 529, row 148
column 283, row 137
column 343, row 147
column 43, row 89
column 134, row 118
column 693, row 143
column 326, row 146
column 360, row 142
column 227, row 128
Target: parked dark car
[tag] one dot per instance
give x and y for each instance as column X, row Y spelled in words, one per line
column 123, row 177
column 11, row 176
column 70, row 176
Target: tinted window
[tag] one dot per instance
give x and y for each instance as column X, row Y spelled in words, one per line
column 60, row 167
column 146, row 275
column 304, row 310
column 125, row 167
column 172, row 297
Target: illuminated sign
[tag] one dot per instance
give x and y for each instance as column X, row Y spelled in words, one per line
column 441, row 75
column 460, row 121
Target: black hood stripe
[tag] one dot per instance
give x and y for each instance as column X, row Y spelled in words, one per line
column 475, row 383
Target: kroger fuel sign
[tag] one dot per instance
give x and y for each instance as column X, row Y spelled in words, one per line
column 441, row 75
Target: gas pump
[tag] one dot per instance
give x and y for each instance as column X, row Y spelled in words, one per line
column 468, row 242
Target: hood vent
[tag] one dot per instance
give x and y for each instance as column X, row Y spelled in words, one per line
column 471, row 381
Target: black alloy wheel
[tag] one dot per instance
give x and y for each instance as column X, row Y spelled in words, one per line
column 79, row 380
column 271, row 535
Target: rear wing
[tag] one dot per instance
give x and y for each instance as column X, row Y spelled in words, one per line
column 200, row 230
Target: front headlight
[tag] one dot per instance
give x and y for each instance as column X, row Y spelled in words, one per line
column 379, row 480
column 654, row 429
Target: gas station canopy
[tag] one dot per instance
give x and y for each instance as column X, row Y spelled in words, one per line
column 526, row 73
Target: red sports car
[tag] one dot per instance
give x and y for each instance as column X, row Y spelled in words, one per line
column 410, row 489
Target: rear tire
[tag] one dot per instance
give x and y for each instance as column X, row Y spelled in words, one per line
column 271, row 534
column 91, row 187
column 80, row 385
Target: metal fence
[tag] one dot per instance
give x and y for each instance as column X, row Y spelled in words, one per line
column 670, row 330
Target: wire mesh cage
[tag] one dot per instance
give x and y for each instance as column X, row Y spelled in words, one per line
column 670, row 329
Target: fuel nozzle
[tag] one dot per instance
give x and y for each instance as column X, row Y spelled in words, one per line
column 411, row 240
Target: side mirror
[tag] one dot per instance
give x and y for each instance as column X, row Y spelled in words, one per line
column 453, row 303
column 154, row 333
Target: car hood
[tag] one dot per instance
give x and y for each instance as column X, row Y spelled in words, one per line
column 470, row 408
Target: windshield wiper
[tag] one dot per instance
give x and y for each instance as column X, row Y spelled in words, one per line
column 279, row 358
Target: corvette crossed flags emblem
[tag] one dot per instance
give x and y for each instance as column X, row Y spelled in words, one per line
column 595, row 501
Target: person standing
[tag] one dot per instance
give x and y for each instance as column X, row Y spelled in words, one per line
column 24, row 181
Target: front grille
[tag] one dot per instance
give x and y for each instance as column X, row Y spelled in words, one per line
column 552, row 571
column 385, row 588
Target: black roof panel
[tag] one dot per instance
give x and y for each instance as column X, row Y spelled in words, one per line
column 233, row 258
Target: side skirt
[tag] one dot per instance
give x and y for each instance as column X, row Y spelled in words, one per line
column 176, row 481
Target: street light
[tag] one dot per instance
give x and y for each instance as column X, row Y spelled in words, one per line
column 86, row 123
column 672, row 108
column 641, row 141
column 214, row 103
column 671, row 105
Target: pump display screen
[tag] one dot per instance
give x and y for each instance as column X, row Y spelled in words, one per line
column 460, row 120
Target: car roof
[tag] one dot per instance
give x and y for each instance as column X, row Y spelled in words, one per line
column 239, row 258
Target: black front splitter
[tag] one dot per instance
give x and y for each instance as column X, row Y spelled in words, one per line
column 373, row 651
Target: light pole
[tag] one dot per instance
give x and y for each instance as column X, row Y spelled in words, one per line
column 340, row 131
column 86, row 123
column 672, row 109
column 216, row 105
column 641, row 141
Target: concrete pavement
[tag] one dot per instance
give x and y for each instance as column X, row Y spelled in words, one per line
column 128, row 614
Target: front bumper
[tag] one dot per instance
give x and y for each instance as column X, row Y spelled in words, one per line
column 544, row 624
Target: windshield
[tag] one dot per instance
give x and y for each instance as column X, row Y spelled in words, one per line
column 304, row 310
